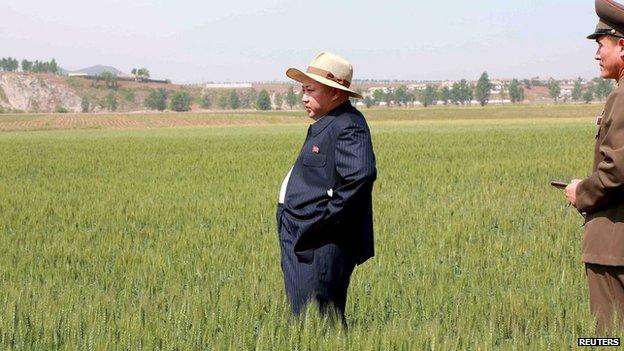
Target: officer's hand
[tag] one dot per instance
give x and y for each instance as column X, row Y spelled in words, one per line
column 570, row 191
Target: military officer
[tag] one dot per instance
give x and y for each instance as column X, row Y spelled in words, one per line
column 601, row 195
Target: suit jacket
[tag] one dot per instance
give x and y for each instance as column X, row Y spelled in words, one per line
column 329, row 193
column 601, row 195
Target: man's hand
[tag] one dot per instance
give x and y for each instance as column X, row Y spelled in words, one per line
column 570, row 191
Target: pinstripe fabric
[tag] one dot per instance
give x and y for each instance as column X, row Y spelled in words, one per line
column 323, row 281
column 325, row 224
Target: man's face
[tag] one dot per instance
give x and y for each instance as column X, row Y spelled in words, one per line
column 609, row 55
column 318, row 99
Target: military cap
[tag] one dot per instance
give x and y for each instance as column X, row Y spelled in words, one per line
column 611, row 21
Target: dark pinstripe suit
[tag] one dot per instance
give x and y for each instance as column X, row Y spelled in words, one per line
column 326, row 222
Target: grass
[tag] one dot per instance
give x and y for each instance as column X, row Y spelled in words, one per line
column 166, row 239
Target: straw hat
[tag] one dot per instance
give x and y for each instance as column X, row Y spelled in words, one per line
column 328, row 69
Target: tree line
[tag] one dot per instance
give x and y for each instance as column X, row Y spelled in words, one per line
column 464, row 92
column 233, row 99
column 598, row 88
column 9, row 64
column 460, row 93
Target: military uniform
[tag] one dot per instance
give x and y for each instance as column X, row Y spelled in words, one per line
column 601, row 195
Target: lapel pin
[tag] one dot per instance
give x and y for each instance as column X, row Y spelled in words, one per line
column 315, row 149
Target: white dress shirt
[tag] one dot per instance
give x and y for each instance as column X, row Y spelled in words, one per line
column 282, row 194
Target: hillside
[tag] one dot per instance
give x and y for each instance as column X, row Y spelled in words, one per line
column 36, row 93
column 42, row 92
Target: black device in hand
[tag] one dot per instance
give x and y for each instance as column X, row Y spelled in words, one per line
column 559, row 184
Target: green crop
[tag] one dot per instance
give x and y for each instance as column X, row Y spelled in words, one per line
column 166, row 239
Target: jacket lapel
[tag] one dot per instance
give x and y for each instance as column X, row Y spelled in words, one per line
column 324, row 122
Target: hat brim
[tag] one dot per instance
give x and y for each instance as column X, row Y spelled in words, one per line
column 300, row 76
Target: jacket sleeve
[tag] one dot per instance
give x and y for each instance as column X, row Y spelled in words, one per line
column 355, row 165
column 594, row 192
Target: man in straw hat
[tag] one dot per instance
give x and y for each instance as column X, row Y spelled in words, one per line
column 601, row 195
column 325, row 215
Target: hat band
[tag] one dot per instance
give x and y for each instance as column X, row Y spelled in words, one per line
column 606, row 31
column 327, row 74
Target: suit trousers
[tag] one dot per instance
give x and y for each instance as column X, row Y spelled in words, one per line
column 606, row 295
column 323, row 281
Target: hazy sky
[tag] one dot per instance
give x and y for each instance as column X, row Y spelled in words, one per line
column 192, row 41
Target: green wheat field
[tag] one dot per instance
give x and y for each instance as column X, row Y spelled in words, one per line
column 165, row 238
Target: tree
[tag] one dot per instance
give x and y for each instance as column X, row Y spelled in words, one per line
column 389, row 97
column 180, row 101
column 444, row 95
column 233, row 100
column 554, row 89
column 484, row 89
column 26, row 65
column 577, row 91
column 602, row 88
column 588, row 95
column 247, row 98
column 291, row 98
column 111, row 101
column 379, row 95
column 157, row 100
column 36, row 66
column 516, row 92
column 85, row 104
column 401, row 95
column 427, row 97
column 204, row 101
column 264, row 101
column 110, row 79
column 143, row 72
column 13, row 64
column 461, row 92
column 223, row 101
column 368, row 101
column 455, row 93
column 53, row 67
column 9, row 64
column 279, row 101
column 140, row 74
